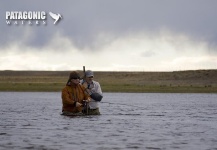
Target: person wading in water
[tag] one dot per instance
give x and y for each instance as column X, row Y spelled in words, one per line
column 74, row 96
column 94, row 90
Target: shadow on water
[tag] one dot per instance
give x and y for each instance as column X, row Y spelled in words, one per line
column 149, row 121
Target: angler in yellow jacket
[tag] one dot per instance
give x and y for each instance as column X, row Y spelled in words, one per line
column 74, row 96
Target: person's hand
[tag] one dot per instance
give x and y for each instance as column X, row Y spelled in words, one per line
column 78, row 104
column 87, row 100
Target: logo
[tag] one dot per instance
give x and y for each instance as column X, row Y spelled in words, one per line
column 30, row 17
column 56, row 17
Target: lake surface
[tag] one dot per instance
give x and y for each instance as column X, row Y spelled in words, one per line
column 32, row 120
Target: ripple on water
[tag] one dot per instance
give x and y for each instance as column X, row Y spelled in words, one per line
column 161, row 121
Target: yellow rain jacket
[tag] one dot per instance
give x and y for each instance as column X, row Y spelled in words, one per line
column 72, row 94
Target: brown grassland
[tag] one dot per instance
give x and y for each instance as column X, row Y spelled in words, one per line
column 192, row 81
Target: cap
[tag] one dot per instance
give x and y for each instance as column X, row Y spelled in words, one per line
column 89, row 73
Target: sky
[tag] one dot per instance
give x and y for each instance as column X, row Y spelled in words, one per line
column 111, row 35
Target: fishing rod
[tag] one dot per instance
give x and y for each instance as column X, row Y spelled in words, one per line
column 83, row 78
column 86, row 103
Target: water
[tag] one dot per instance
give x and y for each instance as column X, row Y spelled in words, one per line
column 128, row 121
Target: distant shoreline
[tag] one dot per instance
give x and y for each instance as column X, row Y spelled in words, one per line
column 190, row 81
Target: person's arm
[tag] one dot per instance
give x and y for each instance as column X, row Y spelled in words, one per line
column 85, row 88
column 98, row 88
column 86, row 94
column 66, row 97
column 97, row 94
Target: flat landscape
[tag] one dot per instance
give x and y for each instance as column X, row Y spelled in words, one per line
column 192, row 81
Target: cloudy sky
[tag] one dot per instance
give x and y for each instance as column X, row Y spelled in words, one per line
column 111, row 35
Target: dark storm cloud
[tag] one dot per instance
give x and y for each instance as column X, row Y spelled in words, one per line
column 84, row 20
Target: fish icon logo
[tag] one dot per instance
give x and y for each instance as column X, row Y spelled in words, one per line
column 56, row 17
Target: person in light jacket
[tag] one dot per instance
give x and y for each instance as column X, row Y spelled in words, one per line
column 94, row 90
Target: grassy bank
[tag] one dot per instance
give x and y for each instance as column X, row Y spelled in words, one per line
column 195, row 81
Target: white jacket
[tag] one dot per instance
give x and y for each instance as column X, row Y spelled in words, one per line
column 94, row 88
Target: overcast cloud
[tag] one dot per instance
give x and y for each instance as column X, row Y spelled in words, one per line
column 115, row 35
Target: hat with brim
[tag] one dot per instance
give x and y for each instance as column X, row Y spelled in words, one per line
column 74, row 75
column 89, row 73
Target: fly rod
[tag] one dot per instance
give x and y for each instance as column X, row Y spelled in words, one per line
column 83, row 79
